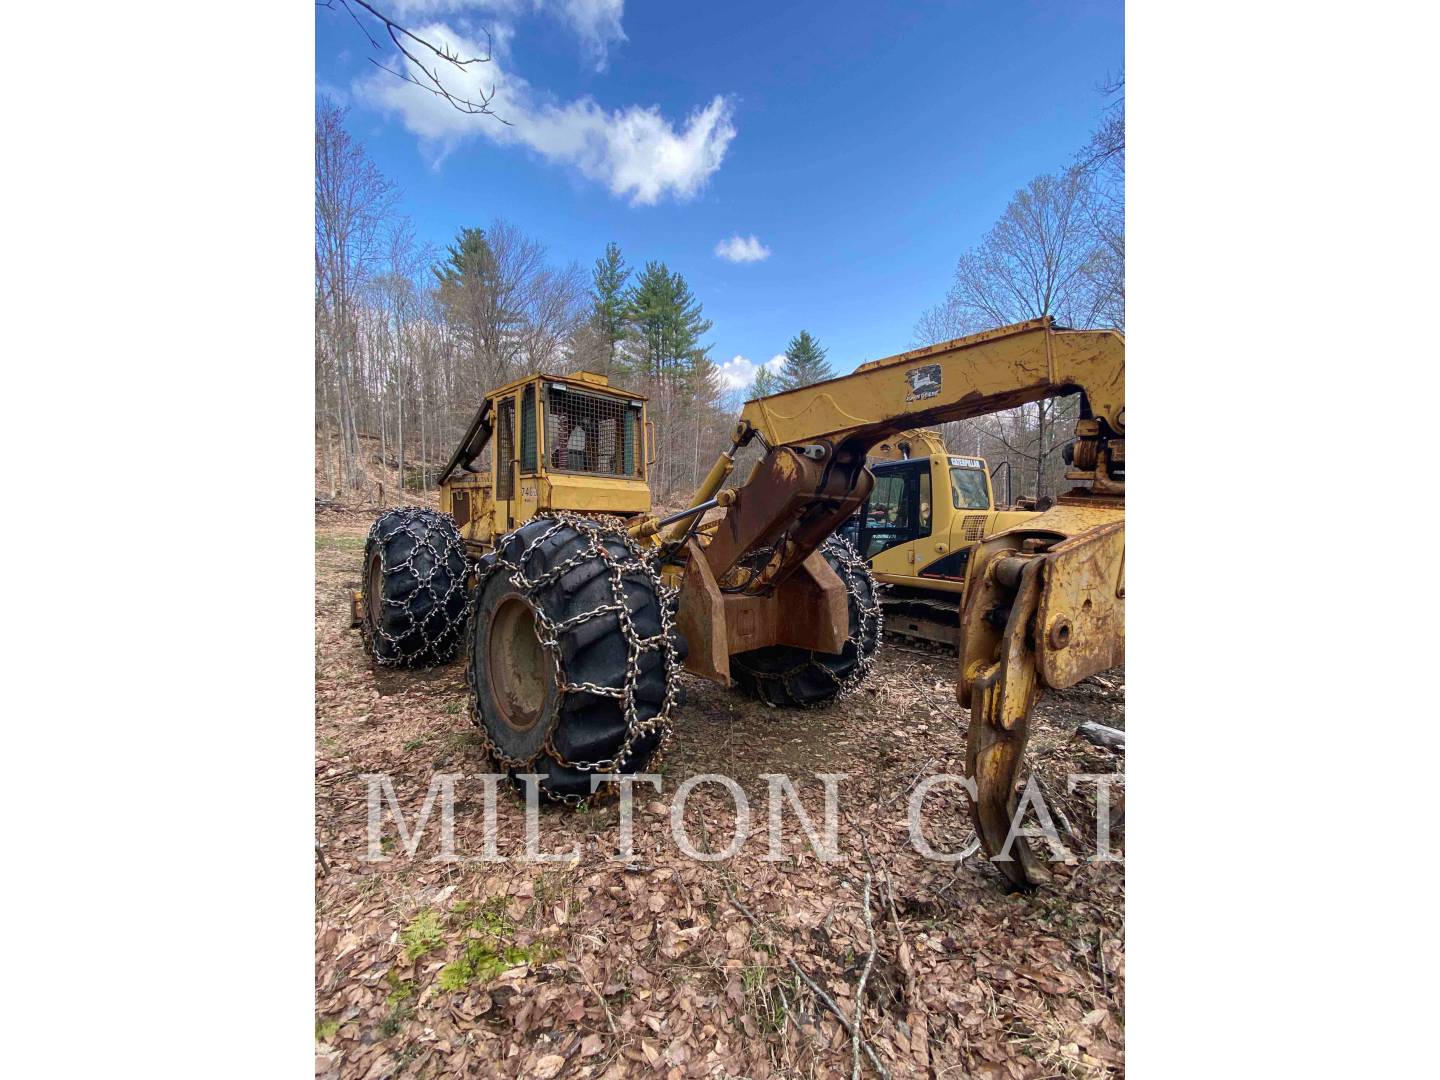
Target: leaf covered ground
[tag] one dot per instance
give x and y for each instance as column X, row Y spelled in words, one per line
column 680, row 968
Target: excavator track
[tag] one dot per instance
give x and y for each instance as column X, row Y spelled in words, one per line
column 921, row 619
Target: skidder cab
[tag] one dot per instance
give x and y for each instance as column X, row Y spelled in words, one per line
column 545, row 443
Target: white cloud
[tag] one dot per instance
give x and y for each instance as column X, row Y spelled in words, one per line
column 738, row 372
column 635, row 151
column 596, row 23
column 742, row 249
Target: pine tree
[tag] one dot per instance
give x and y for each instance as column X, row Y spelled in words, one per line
column 470, row 296
column 804, row 363
column 608, row 315
column 469, row 258
column 766, row 383
column 667, row 323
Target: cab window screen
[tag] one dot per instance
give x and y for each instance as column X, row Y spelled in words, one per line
column 967, row 489
column 591, row 433
column 528, row 455
column 505, row 450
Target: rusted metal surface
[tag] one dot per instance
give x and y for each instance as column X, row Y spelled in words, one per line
column 1045, row 609
column 810, row 610
column 1002, row 692
column 1082, row 610
column 701, row 618
column 518, row 667
column 375, row 588
column 787, row 508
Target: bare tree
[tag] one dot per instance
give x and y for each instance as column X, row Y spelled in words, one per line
column 514, row 311
column 352, row 200
column 1031, row 263
column 1057, row 250
column 425, row 63
column 1103, row 164
column 400, row 287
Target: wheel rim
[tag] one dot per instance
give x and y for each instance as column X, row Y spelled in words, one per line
column 517, row 664
column 374, row 589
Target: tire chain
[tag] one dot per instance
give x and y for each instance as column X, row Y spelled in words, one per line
column 636, row 562
column 872, row 613
column 422, row 525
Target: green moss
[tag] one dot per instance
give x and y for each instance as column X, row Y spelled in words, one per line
column 482, row 960
column 325, row 1029
column 390, row 1026
column 424, row 935
column 491, row 918
column 401, row 990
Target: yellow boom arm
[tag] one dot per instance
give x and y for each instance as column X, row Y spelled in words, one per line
column 1044, row 603
column 954, row 380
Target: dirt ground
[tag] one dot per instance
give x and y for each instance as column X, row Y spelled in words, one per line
column 669, row 966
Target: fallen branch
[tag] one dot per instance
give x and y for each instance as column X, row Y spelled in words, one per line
column 590, row 985
column 829, row 1003
column 1100, row 735
column 860, row 987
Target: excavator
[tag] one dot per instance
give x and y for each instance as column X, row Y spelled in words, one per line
column 927, row 510
column 580, row 624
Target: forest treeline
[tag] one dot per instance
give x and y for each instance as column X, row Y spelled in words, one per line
column 1058, row 250
column 408, row 339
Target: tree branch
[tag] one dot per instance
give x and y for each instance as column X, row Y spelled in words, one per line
column 409, row 43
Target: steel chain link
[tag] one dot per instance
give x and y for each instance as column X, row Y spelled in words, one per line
column 636, row 561
column 423, row 526
column 851, row 569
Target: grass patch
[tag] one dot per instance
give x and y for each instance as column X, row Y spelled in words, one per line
column 491, row 918
column 414, row 744
column 339, row 543
column 325, row 1029
column 390, row 1026
column 424, row 935
column 488, row 955
column 765, row 998
column 452, row 708
column 484, row 959
column 402, row 993
column 401, row 990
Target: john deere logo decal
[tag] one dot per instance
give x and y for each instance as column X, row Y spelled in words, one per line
column 924, row 382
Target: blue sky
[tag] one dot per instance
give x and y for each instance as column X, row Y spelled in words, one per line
column 862, row 145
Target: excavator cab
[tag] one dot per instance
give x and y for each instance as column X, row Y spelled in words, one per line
column 917, row 530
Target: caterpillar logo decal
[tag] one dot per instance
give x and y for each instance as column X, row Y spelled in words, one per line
column 924, row 382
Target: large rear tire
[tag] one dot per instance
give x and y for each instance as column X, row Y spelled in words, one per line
column 785, row 675
column 413, row 594
column 573, row 655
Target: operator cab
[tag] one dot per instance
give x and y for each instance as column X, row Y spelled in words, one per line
column 544, row 443
column 901, row 507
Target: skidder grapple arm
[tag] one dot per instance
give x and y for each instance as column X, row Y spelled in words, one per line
column 1044, row 603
